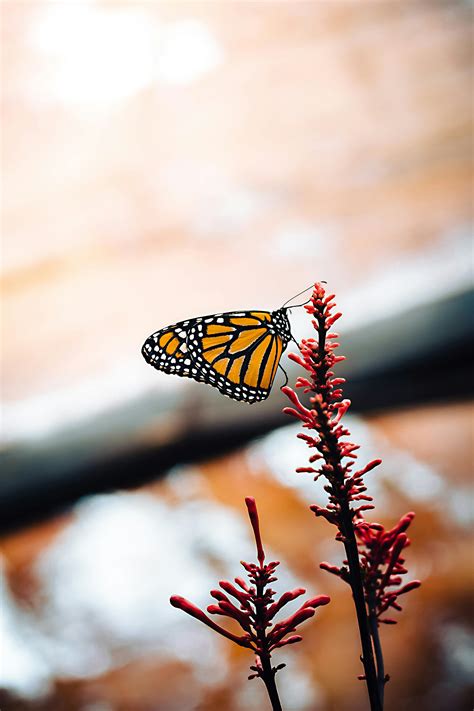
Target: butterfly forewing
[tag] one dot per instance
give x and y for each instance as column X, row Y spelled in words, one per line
column 236, row 352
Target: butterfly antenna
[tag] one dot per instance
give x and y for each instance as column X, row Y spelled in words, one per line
column 296, row 296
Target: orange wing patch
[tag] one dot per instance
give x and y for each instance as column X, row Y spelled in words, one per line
column 245, row 339
column 213, row 341
column 253, row 370
column 213, row 353
column 235, row 368
column 277, row 357
column 262, row 315
column 221, row 365
column 172, row 346
column 271, row 364
column 245, row 321
column 216, row 328
column 165, row 339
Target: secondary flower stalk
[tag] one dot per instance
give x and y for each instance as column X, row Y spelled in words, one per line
column 252, row 605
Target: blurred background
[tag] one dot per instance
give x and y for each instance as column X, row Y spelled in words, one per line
column 163, row 160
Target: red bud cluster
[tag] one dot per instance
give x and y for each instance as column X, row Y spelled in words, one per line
column 383, row 565
column 253, row 606
column 334, row 453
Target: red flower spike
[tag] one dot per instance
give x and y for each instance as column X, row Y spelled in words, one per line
column 253, row 515
column 317, row 601
column 241, row 582
column 381, row 557
column 242, row 597
column 284, row 600
column 182, row 604
column 254, row 611
column 289, row 640
column 374, row 563
column 408, row 587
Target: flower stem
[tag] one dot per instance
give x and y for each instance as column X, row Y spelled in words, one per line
column 346, row 527
column 267, row 673
column 268, row 677
column 368, row 660
column 374, row 631
column 347, row 530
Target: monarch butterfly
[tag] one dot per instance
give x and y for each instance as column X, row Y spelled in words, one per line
column 236, row 352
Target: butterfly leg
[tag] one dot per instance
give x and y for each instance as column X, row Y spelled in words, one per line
column 286, row 376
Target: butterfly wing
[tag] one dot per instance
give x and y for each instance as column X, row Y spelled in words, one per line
column 237, row 352
column 167, row 350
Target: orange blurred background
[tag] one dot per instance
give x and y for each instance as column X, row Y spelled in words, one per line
column 168, row 159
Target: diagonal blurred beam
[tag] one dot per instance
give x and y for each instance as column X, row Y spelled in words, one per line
column 421, row 356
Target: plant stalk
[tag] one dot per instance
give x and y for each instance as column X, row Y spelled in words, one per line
column 269, row 680
column 268, row 675
column 352, row 553
column 346, row 527
column 375, row 633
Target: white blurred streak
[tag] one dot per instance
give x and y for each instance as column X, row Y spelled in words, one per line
column 101, row 57
column 48, row 413
column 23, row 666
column 416, row 278
column 98, row 57
column 397, row 285
column 188, row 50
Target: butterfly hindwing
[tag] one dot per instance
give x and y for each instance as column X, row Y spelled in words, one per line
column 236, row 352
column 166, row 350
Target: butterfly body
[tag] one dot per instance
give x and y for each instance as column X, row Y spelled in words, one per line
column 236, row 352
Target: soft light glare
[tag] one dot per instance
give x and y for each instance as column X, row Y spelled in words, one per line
column 188, row 50
column 100, row 57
